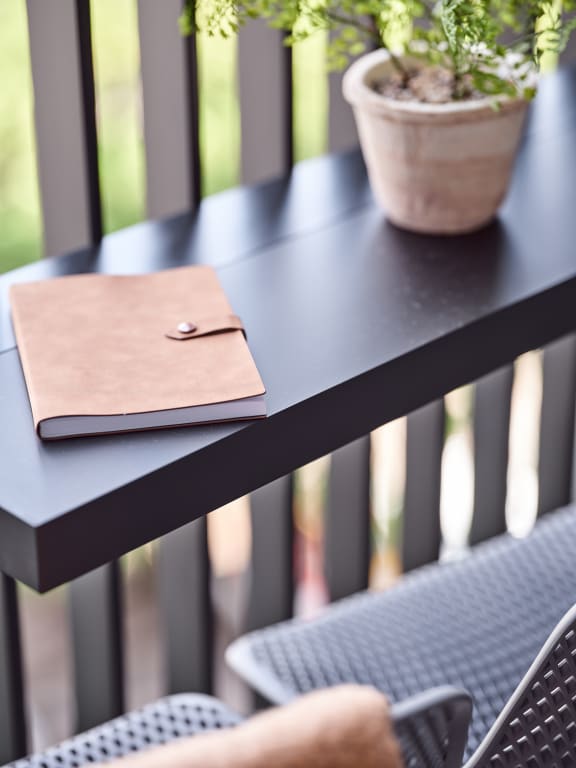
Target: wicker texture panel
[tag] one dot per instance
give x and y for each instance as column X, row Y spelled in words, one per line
column 477, row 624
column 424, row 740
column 158, row 723
column 540, row 729
column 423, row 737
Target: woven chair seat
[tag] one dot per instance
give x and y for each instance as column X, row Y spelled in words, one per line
column 165, row 720
column 435, row 719
column 477, row 624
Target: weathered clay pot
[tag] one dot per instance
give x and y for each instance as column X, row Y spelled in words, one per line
column 436, row 168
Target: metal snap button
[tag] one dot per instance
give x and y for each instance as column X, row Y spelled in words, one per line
column 187, row 327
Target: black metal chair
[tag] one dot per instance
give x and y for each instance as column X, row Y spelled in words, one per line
column 474, row 625
column 481, row 624
column 158, row 723
column 435, row 721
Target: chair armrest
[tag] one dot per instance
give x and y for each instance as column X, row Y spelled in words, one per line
column 432, row 727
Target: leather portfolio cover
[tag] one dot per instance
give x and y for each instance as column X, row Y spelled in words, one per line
column 108, row 353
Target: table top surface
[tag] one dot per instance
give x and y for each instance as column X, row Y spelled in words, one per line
column 351, row 321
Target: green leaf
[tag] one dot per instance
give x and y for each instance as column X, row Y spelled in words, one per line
column 469, row 37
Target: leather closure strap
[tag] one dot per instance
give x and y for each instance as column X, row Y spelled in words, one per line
column 207, row 326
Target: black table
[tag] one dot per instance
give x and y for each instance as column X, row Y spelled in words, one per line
column 352, row 323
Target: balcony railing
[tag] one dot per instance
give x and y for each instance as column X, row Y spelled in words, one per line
column 67, row 150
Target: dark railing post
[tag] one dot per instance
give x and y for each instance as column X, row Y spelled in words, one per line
column 170, row 105
column 272, row 563
column 12, row 717
column 557, row 425
column 422, row 535
column 65, row 118
column 267, row 144
column 193, row 103
column 185, row 608
column 89, row 117
column 342, row 133
column 96, row 617
column 347, row 520
column 492, row 403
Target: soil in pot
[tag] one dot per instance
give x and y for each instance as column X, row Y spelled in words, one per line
column 427, row 85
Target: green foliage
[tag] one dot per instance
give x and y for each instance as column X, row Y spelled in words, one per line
column 491, row 46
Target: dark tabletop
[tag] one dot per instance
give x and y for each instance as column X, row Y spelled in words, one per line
column 351, row 321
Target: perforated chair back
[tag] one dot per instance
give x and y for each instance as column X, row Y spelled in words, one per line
column 434, row 723
column 158, row 723
column 537, row 727
column 476, row 624
column 432, row 728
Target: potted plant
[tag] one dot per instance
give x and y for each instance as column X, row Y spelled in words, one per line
column 439, row 104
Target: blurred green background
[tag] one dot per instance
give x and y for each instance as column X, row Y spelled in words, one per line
column 122, row 172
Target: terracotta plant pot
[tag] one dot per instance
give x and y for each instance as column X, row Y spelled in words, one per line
column 435, row 168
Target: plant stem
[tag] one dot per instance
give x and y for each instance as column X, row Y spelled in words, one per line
column 459, row 89
column 372, row 33
column 400, row 68
column 350, row 21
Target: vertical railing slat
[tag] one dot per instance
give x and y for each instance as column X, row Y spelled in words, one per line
column 492, row 402
column 342, row 133
column 186, row 609
column 96, row 620
column 347, row 520
column 169, row 70
column 66, row 139
column 421, row 537
column 272, row 561
column 266, row 118
column 569, row 54
column 12, row 717
column 88, row 92
column 64, row 112
column 557, row 425
column 169, row 73
column 265, row 84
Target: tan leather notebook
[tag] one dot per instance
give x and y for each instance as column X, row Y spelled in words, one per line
column 107, row 353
